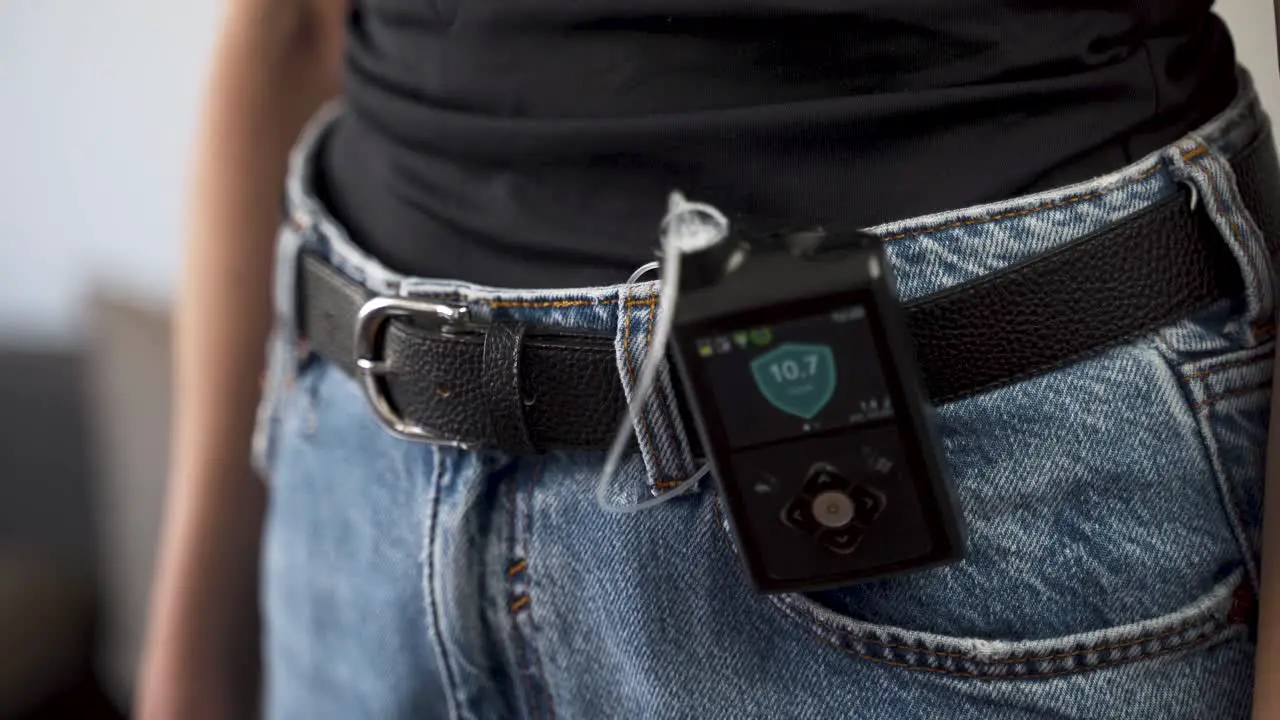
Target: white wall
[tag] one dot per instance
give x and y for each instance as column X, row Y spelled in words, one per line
column 1253, row 27
column 97, row 109
column 98, row 101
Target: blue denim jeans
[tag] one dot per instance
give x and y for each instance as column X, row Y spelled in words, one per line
column 1113, row 507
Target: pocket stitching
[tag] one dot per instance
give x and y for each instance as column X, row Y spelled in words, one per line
column 965, row 657
column 1210, row 631
column 1219, row 367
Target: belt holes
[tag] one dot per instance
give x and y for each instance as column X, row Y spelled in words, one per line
column 443, row 390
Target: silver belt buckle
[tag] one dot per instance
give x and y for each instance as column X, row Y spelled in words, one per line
column 371, row 366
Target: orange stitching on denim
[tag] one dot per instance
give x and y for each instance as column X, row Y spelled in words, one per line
column 541, row 303
column 630, row 302
column 1029, row 211
column 519, row 565
column 530, row 647
column 1227, row 366
column 1210, row 401
column 522, row 601
column 1197, row 152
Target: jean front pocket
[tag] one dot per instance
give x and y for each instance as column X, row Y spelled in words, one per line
column 1098, row 536
column 1230, row 395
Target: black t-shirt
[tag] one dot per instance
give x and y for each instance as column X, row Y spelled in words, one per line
column 534, row 143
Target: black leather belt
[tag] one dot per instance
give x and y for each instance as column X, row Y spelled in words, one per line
column 433, row 375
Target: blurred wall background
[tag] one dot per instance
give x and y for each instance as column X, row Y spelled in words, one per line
column 98, row 102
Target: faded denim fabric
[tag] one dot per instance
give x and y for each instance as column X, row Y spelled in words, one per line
column 1113, row 506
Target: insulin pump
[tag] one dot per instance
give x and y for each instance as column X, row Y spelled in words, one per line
column 799, row 371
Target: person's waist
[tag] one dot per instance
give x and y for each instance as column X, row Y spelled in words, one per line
column 582, row 219
column 1082, row 207
column 553, row 201
column 1141, row 217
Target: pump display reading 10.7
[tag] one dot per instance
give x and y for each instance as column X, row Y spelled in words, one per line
column 796, row 378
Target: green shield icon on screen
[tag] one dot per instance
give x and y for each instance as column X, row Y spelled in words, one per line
column 797, row 378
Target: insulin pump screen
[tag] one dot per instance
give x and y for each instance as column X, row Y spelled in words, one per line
column 795, row 377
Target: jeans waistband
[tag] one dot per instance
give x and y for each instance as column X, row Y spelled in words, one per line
column 929, row 253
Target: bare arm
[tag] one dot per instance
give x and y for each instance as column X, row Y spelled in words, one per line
column 275, row 62
column 1266, row 696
